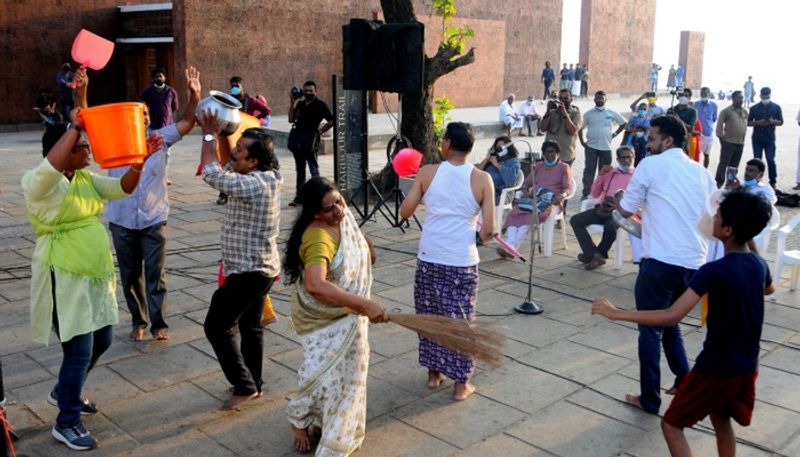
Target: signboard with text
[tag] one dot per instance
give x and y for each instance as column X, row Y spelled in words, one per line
column 350, row 138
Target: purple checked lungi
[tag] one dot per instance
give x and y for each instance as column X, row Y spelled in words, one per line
column 445, row 291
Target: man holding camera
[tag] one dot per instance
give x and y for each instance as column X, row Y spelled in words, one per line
column 306, row 112
column 562, row 122
column 605, row 186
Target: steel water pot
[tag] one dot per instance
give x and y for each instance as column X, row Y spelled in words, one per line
column 226, row 107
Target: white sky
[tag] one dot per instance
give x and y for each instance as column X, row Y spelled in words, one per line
column 742, row 37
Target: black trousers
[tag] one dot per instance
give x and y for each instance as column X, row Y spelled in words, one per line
column 580, row 221
column 240, row 301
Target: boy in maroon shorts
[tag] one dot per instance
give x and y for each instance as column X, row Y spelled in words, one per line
column 722, row 381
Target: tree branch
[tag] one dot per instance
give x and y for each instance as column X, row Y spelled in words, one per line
column 441, row 64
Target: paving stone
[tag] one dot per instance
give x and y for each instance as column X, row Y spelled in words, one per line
column 387, row 437
column 165, row 367
column 164, row 412
column 112, row 441
column 22, row 418
column 531, row 390
column 20, row 370
column 392, row 340
column 396, row 275
column 454, row 422
column 565, row 429
column 612, row 338
column 784, row 359
column 534, row 330
column 616, row 408
column 505, row 444
column 15, row 313
column 383, row 398
column 771, row 426
column 778, row 388
column 574, row 361
column 702, row 443
column 244, row 432
column 574, row 277
column 192, row 442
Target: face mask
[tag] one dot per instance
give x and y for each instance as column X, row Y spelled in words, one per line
column 683, row 101
column 550, row 164
column 309, row 97
column 158, row 84
column 750, row 182
column 704, row 99
column 639, row 134
column 651, row 100
column 642, row 112
column 765, row 101
column 501, row 152
column 600, row 108
column 623, row 167
column 236, row 90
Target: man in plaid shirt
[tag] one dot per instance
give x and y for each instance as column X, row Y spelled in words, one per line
column 249, row 252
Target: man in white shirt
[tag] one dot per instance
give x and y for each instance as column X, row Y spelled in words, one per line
column 598, row 123
column 530, row 115
column 672, row 191
column 508, row 115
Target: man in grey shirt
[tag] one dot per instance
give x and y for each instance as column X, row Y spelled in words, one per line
column 598, row 123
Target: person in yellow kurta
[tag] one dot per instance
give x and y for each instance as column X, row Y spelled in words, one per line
column 72, row 272
column 329, row 263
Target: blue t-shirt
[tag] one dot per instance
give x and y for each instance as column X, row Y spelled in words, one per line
column 735, row 285
column 761, row 111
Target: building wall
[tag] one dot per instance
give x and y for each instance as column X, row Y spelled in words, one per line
column 690, row 56
column 36, row 38
column 513, row 38
column 273, row 45
column 617, row 44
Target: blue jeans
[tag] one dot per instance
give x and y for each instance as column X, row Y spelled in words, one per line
column 767, row 147
column 658, row 285
column 80, row 355
column 145, row 290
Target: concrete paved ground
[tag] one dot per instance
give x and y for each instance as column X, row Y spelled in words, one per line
column 558, row 392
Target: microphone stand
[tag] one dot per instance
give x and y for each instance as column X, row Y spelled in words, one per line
column 529, row 306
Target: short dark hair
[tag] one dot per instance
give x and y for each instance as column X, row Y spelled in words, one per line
column 736, row 93
column 670, row 126
column 461, row 136
column 262, row 149
column 551, row 144
column 705, row 88
column 766, row 91
column 565, row 91
column 51, row 136
column 758, row 163
column 310, row 83
column 156, row 71
column 686, row 90
column 237, row 80
column 649, row 94
column 745, row 213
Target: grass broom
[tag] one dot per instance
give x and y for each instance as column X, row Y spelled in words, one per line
column 459, row 335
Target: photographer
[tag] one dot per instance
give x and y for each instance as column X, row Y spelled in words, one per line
column 561, row 123
column 502, row 164
column 306, row 112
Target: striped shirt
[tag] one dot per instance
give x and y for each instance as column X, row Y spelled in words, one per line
column 251, row 223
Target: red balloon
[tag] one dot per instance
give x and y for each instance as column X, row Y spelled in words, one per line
column 406, row 162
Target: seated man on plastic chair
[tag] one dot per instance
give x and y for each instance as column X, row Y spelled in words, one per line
column 605, row 186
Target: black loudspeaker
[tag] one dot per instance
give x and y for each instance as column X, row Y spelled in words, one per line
column 384, row 57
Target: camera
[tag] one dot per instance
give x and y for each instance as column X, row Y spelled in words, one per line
column 296, row 92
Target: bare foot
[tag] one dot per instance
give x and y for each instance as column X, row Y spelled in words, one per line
column 137, row 334
column 462, row 391
column 633, row 400
column 302, row 443
column 236, row 401
column 671, row 391
column 161, row 335
column 435, row 379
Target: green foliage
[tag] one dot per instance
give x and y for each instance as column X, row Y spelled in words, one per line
column 441, row 107
column 453, row 38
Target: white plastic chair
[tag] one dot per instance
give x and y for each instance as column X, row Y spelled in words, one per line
column 762, row 239
column 547, row 228
column 784, row 257
column 619, row 247
column 506, row 202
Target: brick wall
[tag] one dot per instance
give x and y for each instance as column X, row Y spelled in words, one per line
column 617, row 44
column 690, row 56
column 36, row 38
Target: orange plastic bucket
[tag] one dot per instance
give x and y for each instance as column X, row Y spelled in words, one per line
column 116, row 132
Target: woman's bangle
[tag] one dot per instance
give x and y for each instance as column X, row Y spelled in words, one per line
column 135, row 170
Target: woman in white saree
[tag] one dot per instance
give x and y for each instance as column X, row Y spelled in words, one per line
column 329, row 263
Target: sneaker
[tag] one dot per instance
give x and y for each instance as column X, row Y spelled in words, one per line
column 88, row 408
column 76, row 437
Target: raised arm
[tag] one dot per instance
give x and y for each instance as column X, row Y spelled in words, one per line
column 659, row 318
column 186, row 124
